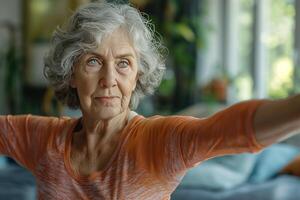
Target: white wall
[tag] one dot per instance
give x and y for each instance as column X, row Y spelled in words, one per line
column 11, row 10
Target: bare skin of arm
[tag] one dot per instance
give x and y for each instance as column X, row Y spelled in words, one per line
column 277, row 120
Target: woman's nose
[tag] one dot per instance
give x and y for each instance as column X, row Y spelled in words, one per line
column 108, row 77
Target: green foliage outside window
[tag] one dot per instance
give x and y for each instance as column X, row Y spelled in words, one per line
column 280, row 40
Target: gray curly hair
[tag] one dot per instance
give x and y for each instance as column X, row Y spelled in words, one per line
column 80, row 35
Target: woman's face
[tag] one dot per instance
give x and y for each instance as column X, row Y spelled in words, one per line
column 106, row 77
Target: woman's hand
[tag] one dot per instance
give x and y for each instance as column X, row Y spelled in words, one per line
column 293, row 168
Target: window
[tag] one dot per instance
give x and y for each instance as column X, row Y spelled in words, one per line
column 279, row 41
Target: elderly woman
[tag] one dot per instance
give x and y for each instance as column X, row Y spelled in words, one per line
column 103, row 62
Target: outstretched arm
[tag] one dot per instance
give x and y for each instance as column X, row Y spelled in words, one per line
column 276, row 120
column 24, row 138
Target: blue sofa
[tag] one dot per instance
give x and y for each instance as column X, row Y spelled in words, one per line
column 283, row 187
column 243, row 177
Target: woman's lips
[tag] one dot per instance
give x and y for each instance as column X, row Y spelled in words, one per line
column 106, row 99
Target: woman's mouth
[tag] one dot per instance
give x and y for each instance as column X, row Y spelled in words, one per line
column 106, row 100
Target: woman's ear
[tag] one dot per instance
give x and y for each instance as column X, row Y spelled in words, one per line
column 135, row 82
column 72, row 82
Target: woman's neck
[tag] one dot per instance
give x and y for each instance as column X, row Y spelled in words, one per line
column 99, row 133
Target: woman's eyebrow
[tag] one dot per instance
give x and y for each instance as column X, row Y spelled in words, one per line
column 125, row 55
column 92, row 53
column 121, row 55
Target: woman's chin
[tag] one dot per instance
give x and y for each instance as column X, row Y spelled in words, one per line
column 107, row 113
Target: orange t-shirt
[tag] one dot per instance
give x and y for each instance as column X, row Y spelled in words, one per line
column 151, row 158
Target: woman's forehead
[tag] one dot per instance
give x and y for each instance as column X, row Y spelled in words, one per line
column 120, row 35
column 117, row 42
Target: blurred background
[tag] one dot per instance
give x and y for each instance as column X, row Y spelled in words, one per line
column 220, row 52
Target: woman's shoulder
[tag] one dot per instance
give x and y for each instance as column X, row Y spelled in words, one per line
column 161, row 120
column 166, row 118
column 38, row 122
column 35, row 117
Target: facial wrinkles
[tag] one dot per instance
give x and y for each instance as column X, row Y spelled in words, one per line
column 112, row 57
column 110, row 72
column 109, row 53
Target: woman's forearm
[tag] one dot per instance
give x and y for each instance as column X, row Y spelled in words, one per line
column 276, row 120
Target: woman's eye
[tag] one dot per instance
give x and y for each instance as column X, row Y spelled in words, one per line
column 123, row 64
column 93, row 62
column 93, row 65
